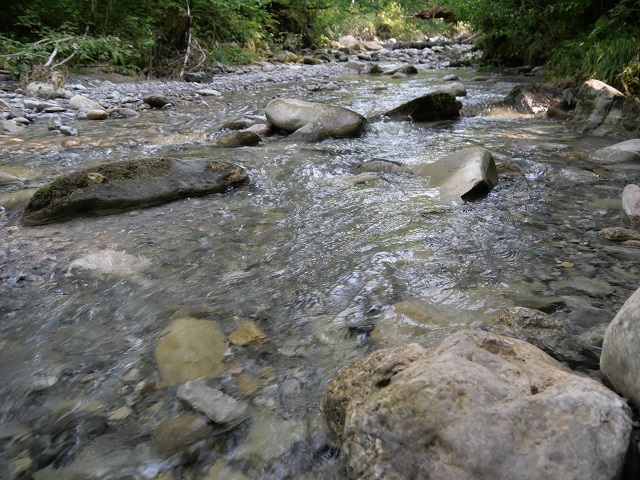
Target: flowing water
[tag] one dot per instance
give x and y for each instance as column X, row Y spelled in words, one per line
column 331, row 266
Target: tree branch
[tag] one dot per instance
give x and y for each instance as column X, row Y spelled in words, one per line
column 188, row 52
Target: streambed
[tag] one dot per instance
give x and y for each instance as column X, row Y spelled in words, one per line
column 329, row 265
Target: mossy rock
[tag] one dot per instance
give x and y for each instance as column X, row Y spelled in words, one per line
column 121, row 186
column 428, row 108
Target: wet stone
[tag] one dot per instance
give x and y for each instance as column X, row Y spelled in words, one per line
column 178, row 434
column 248, row 333
column 216, row 405
column 189, row 349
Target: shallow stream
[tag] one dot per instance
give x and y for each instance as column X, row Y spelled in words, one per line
column 331, row 266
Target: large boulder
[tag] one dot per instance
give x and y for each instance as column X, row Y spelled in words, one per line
column 478, row 406
column 620, row 359
column 623, row 152
column 463, row 175
column 603, row 111
column 430, row 107
column 290, row 115
column 120, row 186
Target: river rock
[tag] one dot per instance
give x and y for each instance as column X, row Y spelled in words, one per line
column 603, row 111
column 312, row 132
column 80, row 102
column 109, row 262
column 463, row 175
column 384, row 166
column 457, row 88
column 238, row 138
column 10, row 127
column 620, row 360
column 590, row 341
column 479, row 406
column 550, row 334
column 216, row 405
column 97, row 115
column 122, row 112
column 429, row 107
column 120, row 186
column 198, row 77
column 188, row 349
column 156, row 101
column 68, row 131
column 45, row 90
column 406, row 70
column 619, row 234
column 248, row 333
column 178, row 434
column 533, row 98
column 623, row 152
column 290, row 115
column 631, row 206
column 354, row 65
column 583, row 286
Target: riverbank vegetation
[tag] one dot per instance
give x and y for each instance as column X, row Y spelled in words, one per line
column 576, row 39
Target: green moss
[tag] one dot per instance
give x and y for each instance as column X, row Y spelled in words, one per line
column 236, row 174
column 125, row 170
column 60, row 187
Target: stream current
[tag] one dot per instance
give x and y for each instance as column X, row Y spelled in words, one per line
column 329, row 265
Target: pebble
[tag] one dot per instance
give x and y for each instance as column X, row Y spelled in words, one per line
column 69, row 131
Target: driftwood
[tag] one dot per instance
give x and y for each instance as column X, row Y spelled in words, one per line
column 436, row 12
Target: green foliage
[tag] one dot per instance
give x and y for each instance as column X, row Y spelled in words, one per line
column 71, row 51
column 613, row 59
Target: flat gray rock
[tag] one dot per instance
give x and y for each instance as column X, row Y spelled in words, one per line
column 121, row 186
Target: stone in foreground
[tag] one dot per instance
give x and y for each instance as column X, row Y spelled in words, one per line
column 479, row 406
column 290, row 115
column 464, row 175
column 620, row 360
column 121, row 186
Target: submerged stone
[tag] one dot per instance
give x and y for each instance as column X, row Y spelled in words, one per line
column 188, row 349
column 121, row 186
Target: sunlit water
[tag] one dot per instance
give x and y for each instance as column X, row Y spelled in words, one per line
column 314, row 255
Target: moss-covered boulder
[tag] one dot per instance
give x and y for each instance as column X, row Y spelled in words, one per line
column 121, row 186
column 428, row 108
